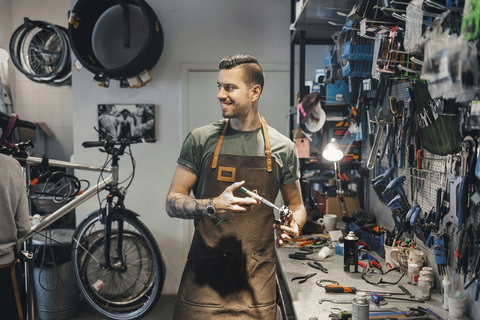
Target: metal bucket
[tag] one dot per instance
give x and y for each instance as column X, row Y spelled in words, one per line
column 55, row 288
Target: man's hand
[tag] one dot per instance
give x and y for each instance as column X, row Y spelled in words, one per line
column 227, row 205
column 285, row 234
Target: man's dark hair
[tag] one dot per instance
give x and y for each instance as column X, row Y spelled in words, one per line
column 253, row 70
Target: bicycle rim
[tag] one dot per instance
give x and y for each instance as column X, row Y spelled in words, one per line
column 130, row 289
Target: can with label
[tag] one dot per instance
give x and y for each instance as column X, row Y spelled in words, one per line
column 360, row 307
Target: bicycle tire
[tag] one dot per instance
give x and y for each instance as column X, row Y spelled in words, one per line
column 128, row 292
column 41, row 51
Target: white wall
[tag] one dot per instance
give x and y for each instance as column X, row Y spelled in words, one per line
column 196, row 32
column 40, row 102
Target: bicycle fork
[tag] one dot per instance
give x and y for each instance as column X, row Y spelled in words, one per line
column 118, row 263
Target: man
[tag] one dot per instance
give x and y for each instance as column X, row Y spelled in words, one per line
column 15, row 224
column 230, row 272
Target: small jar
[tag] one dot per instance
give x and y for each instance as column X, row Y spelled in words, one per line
column 423, row 289
column 431, row 275
column 413, row 273
column 427, row 273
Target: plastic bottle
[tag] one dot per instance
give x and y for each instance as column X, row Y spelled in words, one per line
column 445, row 291
column 429, row 271
column 423, row 288
column 413, row 273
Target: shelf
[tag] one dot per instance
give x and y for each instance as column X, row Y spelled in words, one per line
column 315, row 17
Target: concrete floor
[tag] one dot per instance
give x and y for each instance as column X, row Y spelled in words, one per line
column 163, row 310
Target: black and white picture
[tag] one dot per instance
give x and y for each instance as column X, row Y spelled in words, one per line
column 128, row 120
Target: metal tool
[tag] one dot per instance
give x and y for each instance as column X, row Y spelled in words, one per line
column 343, row 289
column 382, row 120
column 304, row 278
column 376, row 298
column 285, row 213
column 302, row 256
column 259, row 198
column 453, row 182
column 318, row 265
column 405, row 290
column 349, row 301
column 396, row 185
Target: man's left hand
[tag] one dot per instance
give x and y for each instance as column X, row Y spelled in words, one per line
column 285, row 234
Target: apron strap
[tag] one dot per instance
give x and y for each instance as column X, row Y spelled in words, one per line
column 16, row 291
column 219, row 145
column 268, row 150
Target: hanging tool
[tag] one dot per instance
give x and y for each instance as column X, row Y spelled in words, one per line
column 342, row 289
column 381, row 120
column 476, row 274
column 396, row 185
column 304, row 279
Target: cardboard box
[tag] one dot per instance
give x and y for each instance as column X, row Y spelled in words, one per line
column 332, row 206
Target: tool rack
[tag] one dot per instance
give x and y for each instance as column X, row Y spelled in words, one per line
column 434, row 171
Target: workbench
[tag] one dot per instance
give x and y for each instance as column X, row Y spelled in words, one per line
column 302, row 299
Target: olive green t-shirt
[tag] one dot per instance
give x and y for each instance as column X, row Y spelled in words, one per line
column 201, row 143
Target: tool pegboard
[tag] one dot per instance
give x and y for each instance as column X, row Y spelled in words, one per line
column 427, row 178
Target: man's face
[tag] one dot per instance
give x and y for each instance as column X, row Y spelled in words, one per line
column 234, row 94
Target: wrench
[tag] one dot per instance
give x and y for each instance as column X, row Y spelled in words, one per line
column 382, row 120
column 453, row 182
column 456, row 214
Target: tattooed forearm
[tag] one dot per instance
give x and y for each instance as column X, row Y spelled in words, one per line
column 185, row 207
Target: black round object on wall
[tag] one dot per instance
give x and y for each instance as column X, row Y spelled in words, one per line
column 40, row 50
column 115, row 39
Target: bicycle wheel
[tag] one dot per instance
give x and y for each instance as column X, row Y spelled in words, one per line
column 132, row 285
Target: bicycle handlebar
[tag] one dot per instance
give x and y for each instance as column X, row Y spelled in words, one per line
column 122, row 142
column 4, row 119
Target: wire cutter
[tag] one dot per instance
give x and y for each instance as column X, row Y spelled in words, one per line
column 318, row 265
column 304, row 278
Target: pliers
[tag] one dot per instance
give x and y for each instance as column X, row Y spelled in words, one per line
column 318, row 265
column 304, row 278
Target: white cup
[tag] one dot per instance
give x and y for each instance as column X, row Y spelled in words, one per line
column 391, row 256
column 328, row 222
column 415, row 256
column 456, row 307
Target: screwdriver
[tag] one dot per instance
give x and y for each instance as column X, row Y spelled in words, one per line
column 261, row 199
column 256, row 197
column 377, row 298
column 341, row 289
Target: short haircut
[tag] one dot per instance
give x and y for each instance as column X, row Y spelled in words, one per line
column 253, row 71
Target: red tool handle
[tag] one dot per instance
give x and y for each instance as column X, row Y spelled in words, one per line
column 339, row 289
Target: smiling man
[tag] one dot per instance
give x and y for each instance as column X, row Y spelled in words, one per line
column 230, row 271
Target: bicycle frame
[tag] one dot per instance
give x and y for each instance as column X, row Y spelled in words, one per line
column 111, row 180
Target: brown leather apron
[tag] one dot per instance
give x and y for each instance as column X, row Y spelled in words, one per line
column 230, row 271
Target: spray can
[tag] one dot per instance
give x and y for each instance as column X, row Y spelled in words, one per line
column 445, row 291
column 350, row 253
column 360, row 306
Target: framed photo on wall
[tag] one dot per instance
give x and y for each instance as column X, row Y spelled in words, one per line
column 128, row 120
